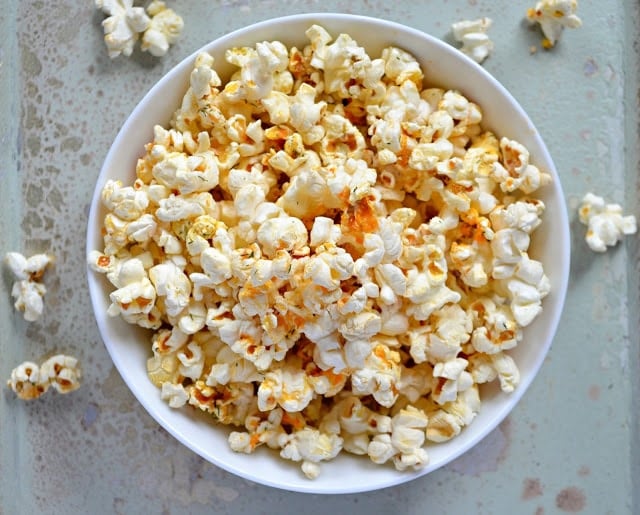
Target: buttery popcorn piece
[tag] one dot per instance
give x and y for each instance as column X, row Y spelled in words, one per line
column 553, row 16
column 606, row 225
column 29, row 381
column 473, row 36
column 331, row 256
column 25, row 381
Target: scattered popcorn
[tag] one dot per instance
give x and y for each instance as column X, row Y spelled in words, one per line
column 27, row 291
column 605, row 223
column 473, row 36
column 331, row 256
column 163, row 30
column 159, row 26
column 553, row 16
column 123, row 26
column 29, row 381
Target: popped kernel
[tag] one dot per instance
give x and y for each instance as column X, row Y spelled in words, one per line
column 331, row 255
column 27, row 290
column 473, row 36
column 606, row 225
column 160, row 27
column 60, row 372
column 553, row 16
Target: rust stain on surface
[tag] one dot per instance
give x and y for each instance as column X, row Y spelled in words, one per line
column 594, row 392
column 571, row 500
column 531, row 488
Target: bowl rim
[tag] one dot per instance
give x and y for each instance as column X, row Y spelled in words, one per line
column 559, row 286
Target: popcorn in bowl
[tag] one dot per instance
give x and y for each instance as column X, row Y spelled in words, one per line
column 317, row 266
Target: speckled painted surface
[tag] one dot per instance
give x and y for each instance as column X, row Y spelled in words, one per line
column 570, row 446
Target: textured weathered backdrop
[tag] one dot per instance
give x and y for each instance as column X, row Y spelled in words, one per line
column 570, row 446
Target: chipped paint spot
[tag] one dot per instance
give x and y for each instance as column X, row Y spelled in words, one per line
column 609, row 73
column 594, row 392
column 590, row 67
column 531, row 488
column 487, row 455
column 90, row 415
column 584, row 471
column 571, row 500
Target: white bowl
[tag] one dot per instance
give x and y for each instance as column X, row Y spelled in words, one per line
column 444, row 66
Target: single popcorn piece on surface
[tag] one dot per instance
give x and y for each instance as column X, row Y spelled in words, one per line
column 27, row 268
column 29, row 381
column 25, row 381
column 28, row 298
column 163, row 30
column 331, row 254
column 123, row 26
column 473, row 36
column 606, row 225
column 27, row 291
column 553, row 16
column 61, row 372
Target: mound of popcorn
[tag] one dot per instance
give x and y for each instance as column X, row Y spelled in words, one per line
column 61, row 372
column 553, row 16
column 27, row 291
column 606, row 225
column 331, row 255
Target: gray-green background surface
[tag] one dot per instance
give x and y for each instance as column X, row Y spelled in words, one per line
column 571, row 445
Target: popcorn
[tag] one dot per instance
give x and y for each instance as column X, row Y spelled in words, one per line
column 404, row 444
column 123, row 26
column 527, row 290
column 29, row 381
column 378, row 376
column 159, row 25
column 473, row 36
column 282, row 233
column 190, row 174
column 311, row 446
column 450, row 378
column 135, row 298
column 605, row 223
column 127, row 203
column 497, row 328
column 27, row 291
column 553, row 16
column 232, row 368
column 171, row 283
column 507, row 371
column 287, row 387
column 25, row 381
column 174, row 394
column 331, row 256
column 61, row 372
column 447, row 421
column 163, row 30
column 517, row 173
column 230, row 404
